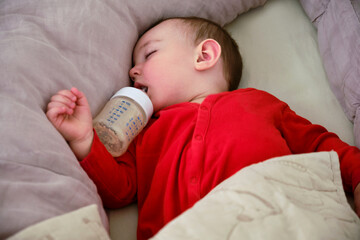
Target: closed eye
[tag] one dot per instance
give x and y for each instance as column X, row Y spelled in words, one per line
column 149, row 54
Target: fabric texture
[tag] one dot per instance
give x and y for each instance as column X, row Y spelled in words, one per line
column 290, row 197
column 47, row 46
column 189, row 148
column 314, row 8
column 84, row 223
column 338, row 24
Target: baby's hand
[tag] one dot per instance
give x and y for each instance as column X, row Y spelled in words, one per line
column 70, row 114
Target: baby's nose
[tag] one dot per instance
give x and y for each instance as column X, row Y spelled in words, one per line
column 134, row 72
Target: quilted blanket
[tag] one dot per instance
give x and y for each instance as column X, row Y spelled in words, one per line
column 291, row 197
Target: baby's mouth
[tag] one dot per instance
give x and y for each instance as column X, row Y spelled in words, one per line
column 144, row 89
column 141, row 87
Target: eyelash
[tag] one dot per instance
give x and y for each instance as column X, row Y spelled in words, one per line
column 149, row 54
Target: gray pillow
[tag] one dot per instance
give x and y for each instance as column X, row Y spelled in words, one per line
column 49, row 45
column 338, row 24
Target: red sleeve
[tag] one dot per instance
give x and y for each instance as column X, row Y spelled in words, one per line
column 302, row 137
column 115, row 178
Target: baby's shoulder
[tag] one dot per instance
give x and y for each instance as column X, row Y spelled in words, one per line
column 253, row 92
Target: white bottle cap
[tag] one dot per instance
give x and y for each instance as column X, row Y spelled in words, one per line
column 138, row 96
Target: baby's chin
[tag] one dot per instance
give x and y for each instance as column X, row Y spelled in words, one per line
column 158, row 107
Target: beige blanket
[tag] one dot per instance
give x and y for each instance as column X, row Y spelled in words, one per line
column 291, row 197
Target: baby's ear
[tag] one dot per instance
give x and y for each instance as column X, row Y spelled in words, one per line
column 207, row 55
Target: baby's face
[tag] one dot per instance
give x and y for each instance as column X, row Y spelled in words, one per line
column 164, row 64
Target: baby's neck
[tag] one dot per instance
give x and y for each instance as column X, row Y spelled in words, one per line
column 198, row 100
column 200, row 96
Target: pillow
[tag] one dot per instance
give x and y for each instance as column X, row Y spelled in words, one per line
column 338, row 25
column 314, row 8
column 47, row 46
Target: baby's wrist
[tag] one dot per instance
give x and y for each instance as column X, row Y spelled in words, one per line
column 82, row 147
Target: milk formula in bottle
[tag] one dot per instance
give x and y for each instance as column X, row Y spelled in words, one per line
column 122, row 119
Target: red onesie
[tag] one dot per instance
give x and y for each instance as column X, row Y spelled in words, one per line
column 189, row 148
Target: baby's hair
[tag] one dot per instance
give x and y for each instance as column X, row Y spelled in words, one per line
column 232, row 62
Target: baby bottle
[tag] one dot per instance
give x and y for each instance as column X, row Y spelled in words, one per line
column 122, row 119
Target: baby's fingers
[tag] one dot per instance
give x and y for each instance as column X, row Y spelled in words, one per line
column 67, row 93
column 56, row 115
column 64, row 97
column 80, row 97
column 59, row 108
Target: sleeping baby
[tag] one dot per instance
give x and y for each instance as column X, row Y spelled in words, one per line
column 203, row 129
